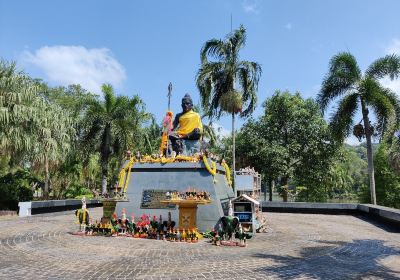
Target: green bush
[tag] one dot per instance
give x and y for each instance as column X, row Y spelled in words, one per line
column 78, row 191
column 16, row 187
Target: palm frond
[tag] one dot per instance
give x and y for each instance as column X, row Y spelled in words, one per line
column 342, row 120
column 214, row 48
column 205, row 80
column 249, row 74
column 342, row 75
column 237, row 40
column 385, row 66
column 384, row 102
column 216, row 80
column 109, row 97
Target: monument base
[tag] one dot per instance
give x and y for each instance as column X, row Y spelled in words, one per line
column 149, row 183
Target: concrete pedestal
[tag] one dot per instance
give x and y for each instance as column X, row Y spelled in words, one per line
column 148, row 179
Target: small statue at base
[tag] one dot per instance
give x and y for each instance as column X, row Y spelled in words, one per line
column 123, row 223
column 82, row 216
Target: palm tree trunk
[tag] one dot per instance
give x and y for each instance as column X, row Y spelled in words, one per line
column 233, row 153
column 285, row 188
column 265, row 189
column 369, row 151
column 47, row 177
column 104, row 174
column 105, row 154
column 271, row 188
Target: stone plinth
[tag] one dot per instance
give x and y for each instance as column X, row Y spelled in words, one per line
column 177, row 176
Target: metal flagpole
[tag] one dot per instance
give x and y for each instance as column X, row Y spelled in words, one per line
column 169, row 109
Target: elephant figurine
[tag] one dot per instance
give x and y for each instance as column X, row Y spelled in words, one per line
column 230, row 225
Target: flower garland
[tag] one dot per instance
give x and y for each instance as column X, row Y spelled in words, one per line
column 227, row 173
column 129, row 168
column 212, row 171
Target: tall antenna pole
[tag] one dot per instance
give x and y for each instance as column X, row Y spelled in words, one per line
column 231, row 22
column 169, row 96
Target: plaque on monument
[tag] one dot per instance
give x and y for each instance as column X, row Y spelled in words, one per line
column 151, row 199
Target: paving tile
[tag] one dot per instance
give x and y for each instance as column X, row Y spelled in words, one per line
column 296, row 246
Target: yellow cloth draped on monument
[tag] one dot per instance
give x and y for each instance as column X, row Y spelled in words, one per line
column 189, row 121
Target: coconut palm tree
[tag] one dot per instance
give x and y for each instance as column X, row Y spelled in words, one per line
column 113, row 124
column 363, row 91
column 226, row 83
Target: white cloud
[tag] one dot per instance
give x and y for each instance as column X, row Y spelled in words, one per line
column 251, row 6
column 288, row 26
column 221, row 131
column 393, row 48
column 67, row 65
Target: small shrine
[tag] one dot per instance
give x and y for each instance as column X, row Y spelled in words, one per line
column 245, row 208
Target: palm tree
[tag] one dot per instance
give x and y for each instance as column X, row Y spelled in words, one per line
column 30, row 126
column 345, row 79
column 115, row 124
column 226, row 83
column 53, row 139
column 19, row 110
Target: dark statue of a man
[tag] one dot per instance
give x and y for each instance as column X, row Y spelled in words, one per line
column 187, row 125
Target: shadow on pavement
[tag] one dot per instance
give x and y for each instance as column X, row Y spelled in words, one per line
column 335, row 260
column 385, row 225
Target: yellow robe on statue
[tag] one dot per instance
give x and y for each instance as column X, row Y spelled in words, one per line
column 189, row 121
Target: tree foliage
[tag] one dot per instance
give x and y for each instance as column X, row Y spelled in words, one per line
column 344, row 79
column 51, row 132
column 113, row 125
column 387, row 181
column 226, row 83
column 291, row 140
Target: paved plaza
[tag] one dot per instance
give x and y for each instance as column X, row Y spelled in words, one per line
column 296, row 246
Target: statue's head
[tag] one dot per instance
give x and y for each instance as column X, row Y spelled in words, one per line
column 187, row 103
column 83, row 203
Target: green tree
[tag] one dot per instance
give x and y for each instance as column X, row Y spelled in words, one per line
column 32, row 128
column 344, row 78
column 16, row 186
column 291, row 140
column 114, row 124
column 387, row 181
column 53, row 140
column 78, row 165
column 226, row 83
column 20, row 110
column 152, row 138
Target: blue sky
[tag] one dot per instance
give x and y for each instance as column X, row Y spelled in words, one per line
column 141, row 46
